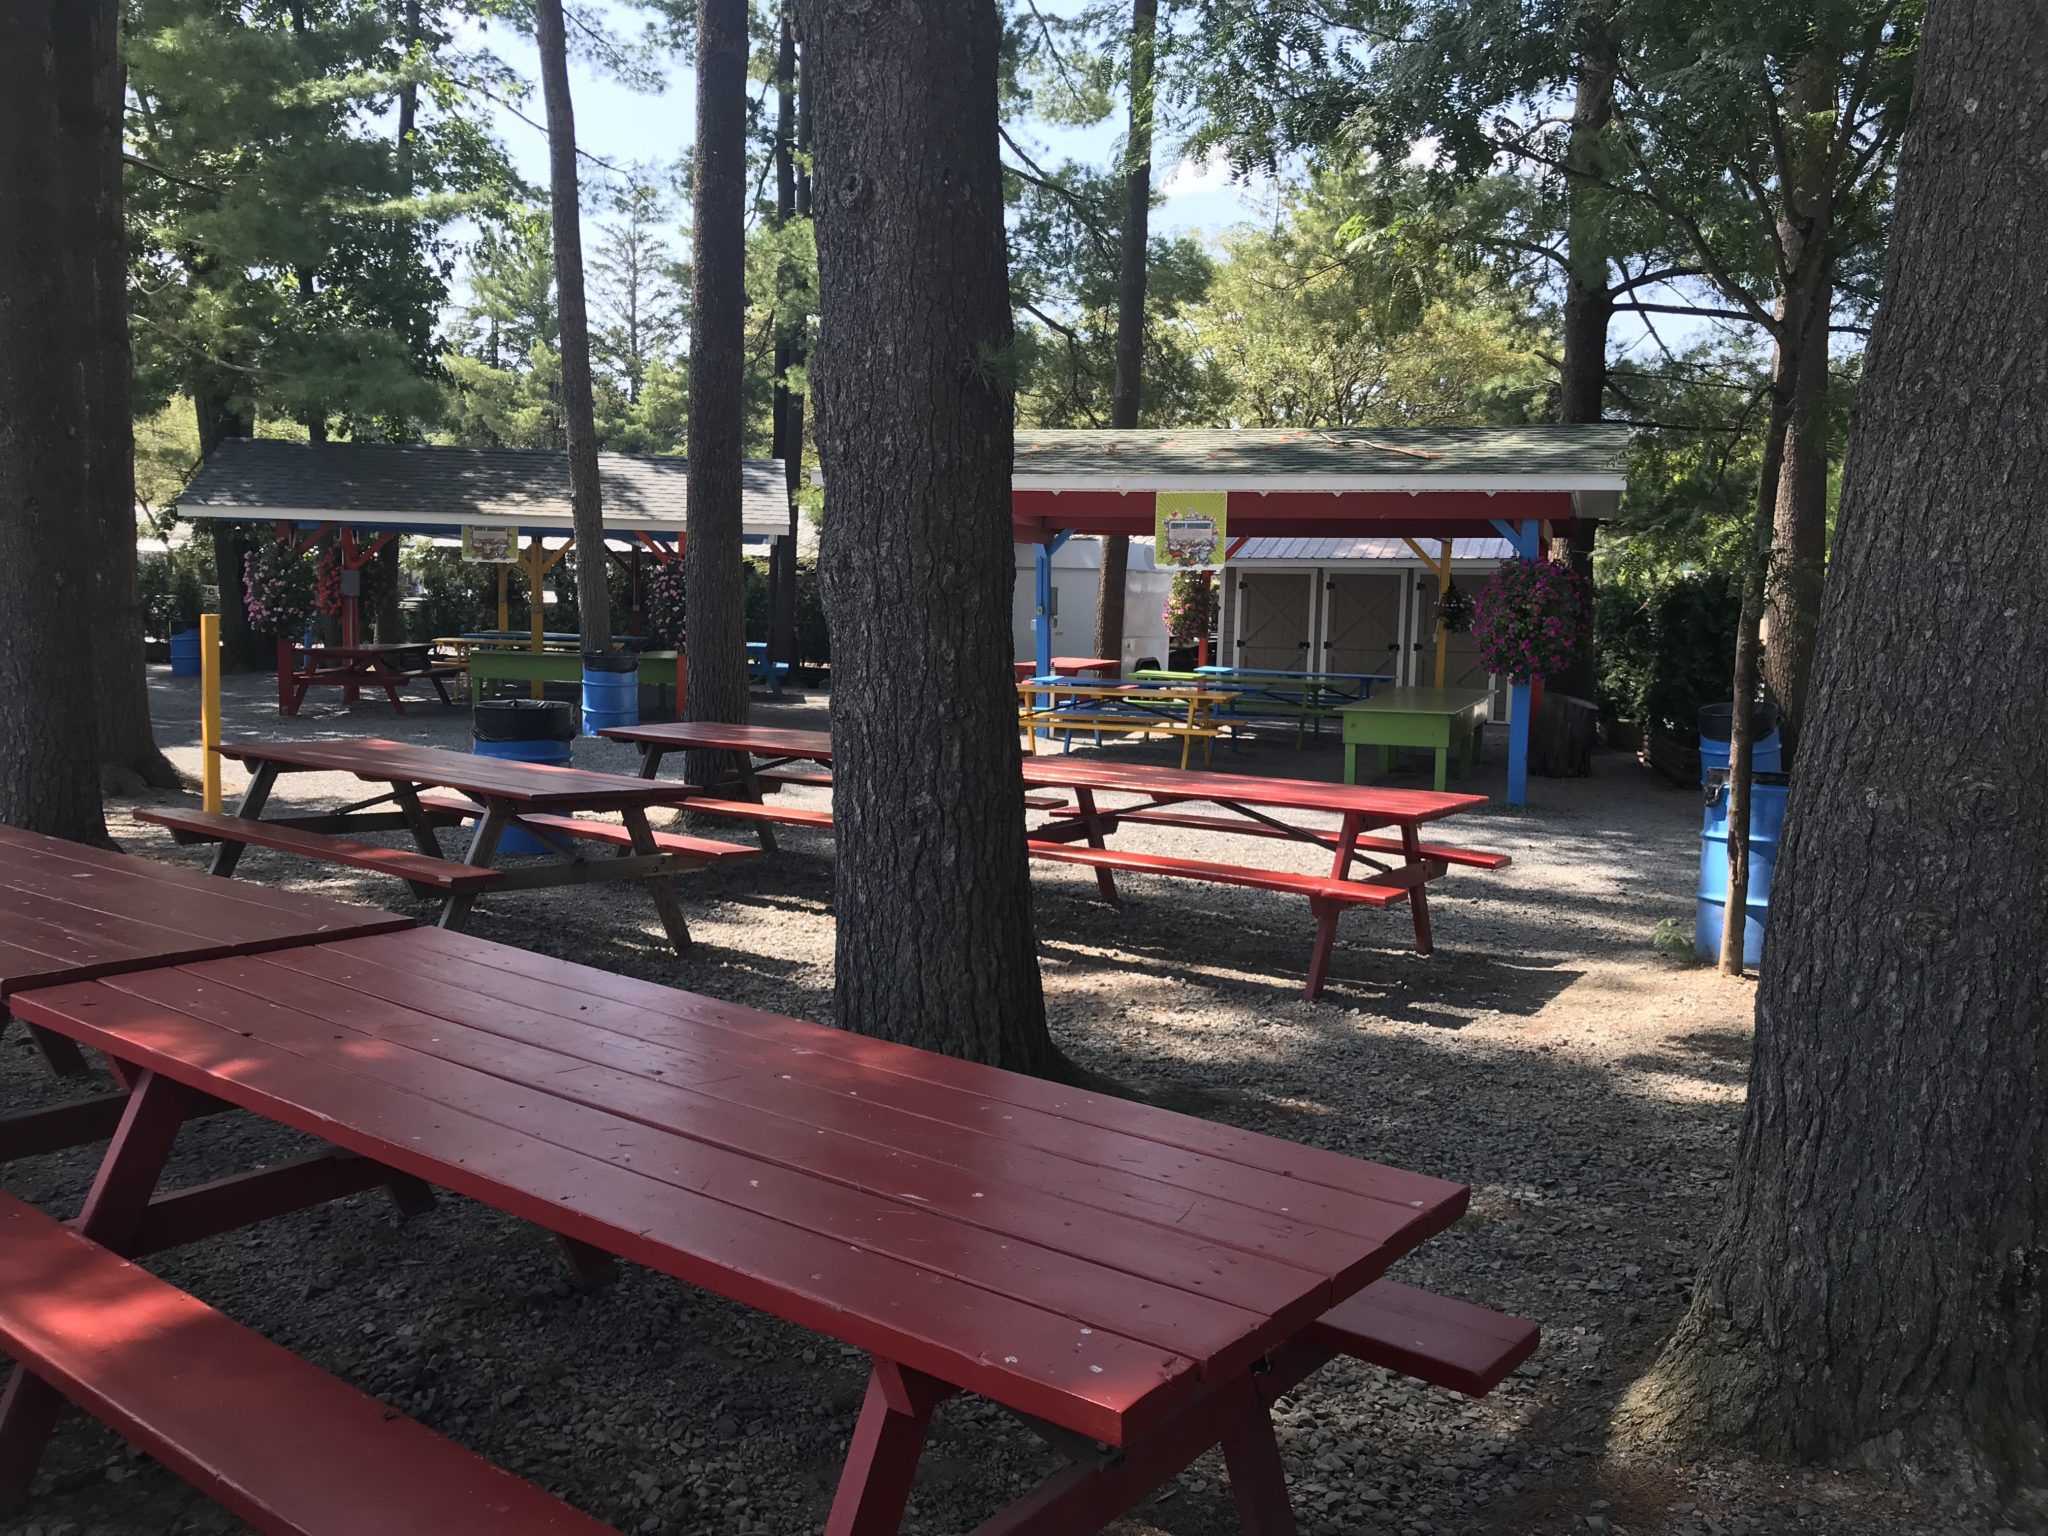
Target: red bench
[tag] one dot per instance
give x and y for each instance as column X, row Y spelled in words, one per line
column 424, row 873
column 1471, row 858
column 1437, row 1339
column 286, row 1447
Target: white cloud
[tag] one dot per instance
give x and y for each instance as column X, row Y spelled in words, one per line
column 1211, row 173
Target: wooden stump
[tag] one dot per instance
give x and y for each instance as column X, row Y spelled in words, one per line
column 1566, row 731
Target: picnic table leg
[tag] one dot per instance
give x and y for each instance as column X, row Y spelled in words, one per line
column 881, row 1464
column 1084, row 806
column 1344, row 849
column 650, row 760
column 408, row 798
column 1350, row 762
column 1418, row 895
column 750, row 781
column 120, row 1194
column 483, row 847
column 1258, row 1479
column 660, row 887
column 228, row 855
column 1443, row 755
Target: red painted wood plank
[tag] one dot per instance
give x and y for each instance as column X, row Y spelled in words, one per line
column 1437, row 1339
column 1384, row 807
column 1359, row 893
column 702, row 849
column 1222, row 1200
column 108, row 881
column 761, row 740
column 403, row 863
column 275, row 1439
column 533, row 1092
column 651, row 1084
column 1034, row 1361
column 541, row 785
column 542, row 982
column 1242, row 826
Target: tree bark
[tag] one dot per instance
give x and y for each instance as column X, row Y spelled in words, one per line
column 129, row 759
column 915, row 416
column 1133, row 263
column 593, row 594
column 788, row 405
column 390, row 615
column 714, row 579
column 1799, row 546
column 49, row 739
column 1875, row 1292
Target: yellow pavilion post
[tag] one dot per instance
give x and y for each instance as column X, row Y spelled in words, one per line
column 209, row 709
column 1440, row 566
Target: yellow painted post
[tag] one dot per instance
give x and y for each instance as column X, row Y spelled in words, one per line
column 1443, row 634
column 504, row 602
column 209, row 707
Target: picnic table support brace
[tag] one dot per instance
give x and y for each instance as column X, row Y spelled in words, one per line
column 113, row 1211
column 1093, row 820
column 228, row 855
column 888, row 1440
column 659, row 886
column 483, row 848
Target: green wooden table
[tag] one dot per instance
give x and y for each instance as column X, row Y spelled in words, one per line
column 1437, row 719
column 657, row 668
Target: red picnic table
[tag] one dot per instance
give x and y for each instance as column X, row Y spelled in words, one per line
column 1071, row 666
column 352, row 668
column 541, row 800
column 1137, row 1285
column 1364, row 870
column 73, row 913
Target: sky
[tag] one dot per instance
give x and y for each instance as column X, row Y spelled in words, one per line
column 622, row 126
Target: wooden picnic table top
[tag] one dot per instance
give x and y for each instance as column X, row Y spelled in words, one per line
column 69, row 913
column 1421, row 701
column 1379, row 806
column 1086, row 1260
column 535, row 786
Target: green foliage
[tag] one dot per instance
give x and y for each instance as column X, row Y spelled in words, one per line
column 1665, row 645
column 1191, row 607
column 457, row 596
column 170, row 587
column 291, row 256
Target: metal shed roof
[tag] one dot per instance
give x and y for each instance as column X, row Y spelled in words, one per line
column 1326, row 551
column 423, row 488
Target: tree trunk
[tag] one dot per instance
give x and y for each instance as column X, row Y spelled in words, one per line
column 1748, row 679
column 48, row 736
column 915, row 417
column 788, row 406
column 1130, row 309
column 1875, row 1292
column 129, row 759
column 714, row 578
column 1588, row 310
column 1799, row 548
column 593, row 595
column 390, row 615
column 220, row 415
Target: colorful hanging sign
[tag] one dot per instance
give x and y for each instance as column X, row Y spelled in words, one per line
column 494, row 544
column 1191, row 529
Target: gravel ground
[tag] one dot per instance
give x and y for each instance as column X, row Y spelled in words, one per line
column 1585, row 1085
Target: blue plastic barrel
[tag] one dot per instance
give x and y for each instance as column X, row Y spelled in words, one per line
column 1767, row 751
column 185, row 652
column 1766, row 828
column 522, row 731
column 611, row 692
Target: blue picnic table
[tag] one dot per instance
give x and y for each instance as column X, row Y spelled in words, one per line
column 760, row 670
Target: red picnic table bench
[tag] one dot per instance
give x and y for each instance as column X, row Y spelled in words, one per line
column 1365, row 871
column 352, row 668
column 431, row 788
column 1138, row 1286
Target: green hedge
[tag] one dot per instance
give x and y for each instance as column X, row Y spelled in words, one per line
column 1666, row 648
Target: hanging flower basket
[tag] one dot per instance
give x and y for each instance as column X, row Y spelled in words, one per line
column 327, row 585
column 1190, row 607
column 1531, row 619
column 278, row 589
column 1454, row 609
column 662, row 602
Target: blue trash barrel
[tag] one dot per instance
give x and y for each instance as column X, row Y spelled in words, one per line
column 525, row 731
column 1767, row 751
column 1766, row 829
column 185, row 652
column 611, row 692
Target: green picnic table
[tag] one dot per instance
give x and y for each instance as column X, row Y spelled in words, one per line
column 1434, row 718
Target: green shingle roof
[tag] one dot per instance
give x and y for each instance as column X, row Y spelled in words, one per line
column 1539, row 456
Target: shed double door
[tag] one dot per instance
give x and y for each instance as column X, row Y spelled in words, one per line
column 1276, row 620
column 1365, row 628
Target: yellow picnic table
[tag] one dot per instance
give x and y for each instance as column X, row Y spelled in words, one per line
column 1143, row 709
